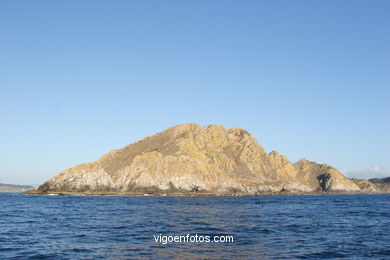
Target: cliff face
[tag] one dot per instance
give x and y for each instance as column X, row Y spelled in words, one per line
column 376, row 185
column 191, row 158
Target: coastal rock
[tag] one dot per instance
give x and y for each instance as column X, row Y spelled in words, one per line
column 366, row 185
column 376, row 185
column 189, row 158
column 81, row 178
column 324, row 176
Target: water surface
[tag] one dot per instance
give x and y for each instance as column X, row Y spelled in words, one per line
column 266, row 227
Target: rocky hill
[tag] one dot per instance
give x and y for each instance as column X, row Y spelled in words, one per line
column 380, row 180
column 189, row 158
column 375, row 185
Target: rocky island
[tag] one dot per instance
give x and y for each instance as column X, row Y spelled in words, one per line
column 191, row 159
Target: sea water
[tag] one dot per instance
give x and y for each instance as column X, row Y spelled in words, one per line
column 262, row 227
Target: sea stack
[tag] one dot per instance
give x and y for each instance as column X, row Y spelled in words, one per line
column 191, row 159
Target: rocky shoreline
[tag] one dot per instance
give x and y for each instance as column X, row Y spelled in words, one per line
column 66, row 193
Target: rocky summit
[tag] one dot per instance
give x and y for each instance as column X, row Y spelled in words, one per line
column 191, row 159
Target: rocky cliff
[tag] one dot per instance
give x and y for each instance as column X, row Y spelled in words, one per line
column 376, row 185
column 189, row 158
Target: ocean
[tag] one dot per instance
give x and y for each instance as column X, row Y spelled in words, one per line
column 258, row 227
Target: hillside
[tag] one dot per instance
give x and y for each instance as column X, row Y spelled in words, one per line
column 189, row 158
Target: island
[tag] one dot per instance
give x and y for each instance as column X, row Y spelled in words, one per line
column 209, row 160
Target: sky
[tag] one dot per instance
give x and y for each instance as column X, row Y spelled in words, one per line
column 309, row 79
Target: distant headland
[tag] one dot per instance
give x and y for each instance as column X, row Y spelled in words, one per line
column 14, row 188
column 191, row 159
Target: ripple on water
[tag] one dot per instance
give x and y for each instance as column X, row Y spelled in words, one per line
column 120, row 227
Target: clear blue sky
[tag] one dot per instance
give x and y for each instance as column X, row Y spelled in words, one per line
column 79, row 78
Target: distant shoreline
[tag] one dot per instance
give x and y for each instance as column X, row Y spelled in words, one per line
column 66, row 193
column 14, row 188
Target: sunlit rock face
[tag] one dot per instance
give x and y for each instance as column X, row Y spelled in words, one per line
column 376, row 185
column 189, row 158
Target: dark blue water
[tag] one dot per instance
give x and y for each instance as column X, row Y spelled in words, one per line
column 264, row 227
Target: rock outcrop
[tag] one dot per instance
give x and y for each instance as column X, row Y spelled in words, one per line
column 376, row 185
column 189, row 158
